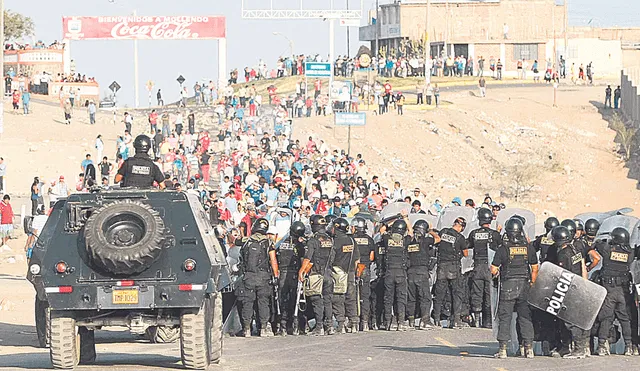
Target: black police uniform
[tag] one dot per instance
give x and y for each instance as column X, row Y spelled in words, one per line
column 256, row 267
column 615, row 277
column 289, row 254
column 420, row 251
column 481, row 240
column 377, row 288
column 365, row 246
column 140, row 171
column 545, row 247
column 570, row 258
column 395, row 267
column 320, row 254
column 449, row 272
column 514, row 259
column 346, row 254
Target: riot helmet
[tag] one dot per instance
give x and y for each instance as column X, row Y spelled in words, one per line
column 297, row 229
column 399, row 227
column 551, row 223
column 142, row 144
column 421, row 227
column 560, row 235
column 318, row 223
column 620, row 236
column 359, row 224
column 571, row 226
column 261, row 225
column 514, row 228
column 340, row 224
column 461, row 222
column 591, row 227
column 521, row 218
column 330, row 218
column 485, row 216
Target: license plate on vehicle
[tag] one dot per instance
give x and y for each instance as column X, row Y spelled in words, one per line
column 125, row 296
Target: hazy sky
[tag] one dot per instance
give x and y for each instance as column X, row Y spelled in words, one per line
column 248, row 40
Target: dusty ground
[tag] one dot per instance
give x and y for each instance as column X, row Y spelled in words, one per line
column 466, row 149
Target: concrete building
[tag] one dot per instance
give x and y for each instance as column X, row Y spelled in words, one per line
column 508, row 30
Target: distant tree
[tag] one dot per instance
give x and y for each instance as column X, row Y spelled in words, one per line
column 17, row 26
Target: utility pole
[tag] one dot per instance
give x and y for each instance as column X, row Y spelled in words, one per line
column 348, row 33
column 427, row 46
column 446, row 29
column 375, row 52
column 2, row 67
column 566, row 29
column 555, row 59
column 135, row 70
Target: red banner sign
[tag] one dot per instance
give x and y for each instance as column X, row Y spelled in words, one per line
column 144, row 27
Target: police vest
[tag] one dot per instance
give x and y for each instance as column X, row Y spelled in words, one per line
column 364, row 246
column 396, row 253
column 419, row 252
column 139, row 172
column 573, row 257
column 544, row 243
column 482, row 238
column 256, row 254
column 322, row 255
column 448, row 252
column 518, row 261
column 616, row 264
column 344, row 246
column 288, row 258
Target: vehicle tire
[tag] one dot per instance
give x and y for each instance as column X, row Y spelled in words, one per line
column 87, row 346
column 195, row 336
column 124, row 237
column 216, row 330
column 163, row 334
column 65, row 342
column 43, row 323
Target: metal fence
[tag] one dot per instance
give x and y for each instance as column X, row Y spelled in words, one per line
column 630, row 99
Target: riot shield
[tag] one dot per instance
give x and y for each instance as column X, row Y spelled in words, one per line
column 529, row 217
column 370, row 226
column 567, row 296
column 393, row 210
column 627, row 222
column 539, row 229
column 431, row 219
column 601, row 216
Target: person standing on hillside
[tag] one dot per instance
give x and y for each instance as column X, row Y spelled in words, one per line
column 617, row 94
column 400, row 104
column 3, row 173
column 15, row 100
column 6, row 219
column 128, row 121
column 499, row 70
column 67, row 111
column 26, row 98
column 481, row 66
column 92, row 112
column 483, row 87
column 99, row 146
column 153, row 121
column 159, row 98
column 436, row 94
column 607, row 96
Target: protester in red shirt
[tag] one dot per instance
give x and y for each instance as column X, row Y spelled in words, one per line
column 153, row 121
column 16, row 100
column 318, row 88
column 387, row 88
column 6, row 219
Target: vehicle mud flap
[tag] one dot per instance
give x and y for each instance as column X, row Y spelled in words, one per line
column 87, row 346
column 232, row 325
column 567, row 296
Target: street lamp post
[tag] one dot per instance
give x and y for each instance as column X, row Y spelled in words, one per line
column 288, row 39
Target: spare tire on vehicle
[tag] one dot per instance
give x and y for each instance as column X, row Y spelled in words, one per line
column 124, row 237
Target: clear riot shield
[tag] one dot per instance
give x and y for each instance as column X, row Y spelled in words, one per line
column 627, row 222
column 567, row 296
column 370, row 226
column 529, row 217
column 601, row 216
column 393, row 210
column 449, row 215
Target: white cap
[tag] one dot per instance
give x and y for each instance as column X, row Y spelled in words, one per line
column 296, row 203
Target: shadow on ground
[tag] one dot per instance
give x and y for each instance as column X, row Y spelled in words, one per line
column 633, row 164
column 470, row 350
column 40, row 360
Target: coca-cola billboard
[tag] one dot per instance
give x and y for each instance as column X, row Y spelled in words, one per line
column 144, row 27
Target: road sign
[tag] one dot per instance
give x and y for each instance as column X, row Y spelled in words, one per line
column 114, row 87
column 341, row 91
column 350, row 119
column 149, row 85
column 181, row 79
column 317, row 69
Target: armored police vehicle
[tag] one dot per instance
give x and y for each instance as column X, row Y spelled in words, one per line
column 144, row 259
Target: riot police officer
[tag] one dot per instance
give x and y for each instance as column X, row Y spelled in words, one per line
column 139, row 170
column 343, row 272
column 452, row 248
column 570, row 258
column 482, row 240
column 592, row 258
column 316, row 266
column 289, row 253
column 420, row 251
column 543, row 243
column 395, row 267
column 366, row 247
column 615, row 276
column 517, row 264
column 259, row 264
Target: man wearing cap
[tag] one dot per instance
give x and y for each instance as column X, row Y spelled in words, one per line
column 336, row 207
column 418, row 195
column 58, row 190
